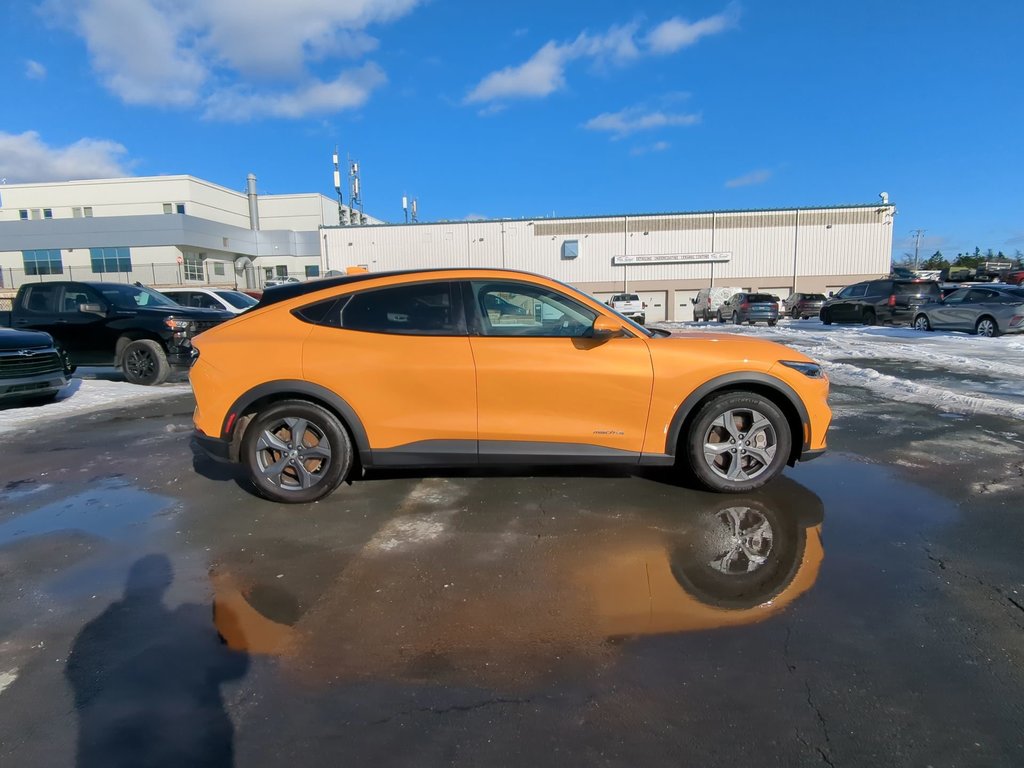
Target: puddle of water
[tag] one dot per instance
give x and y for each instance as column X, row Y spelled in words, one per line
column 19, row 489
column 112, row 509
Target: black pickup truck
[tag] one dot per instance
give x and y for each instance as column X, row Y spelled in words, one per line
column 128, row 326
column 31, row 369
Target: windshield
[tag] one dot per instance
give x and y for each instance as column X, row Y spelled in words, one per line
column 133, row 296
column 237, row 299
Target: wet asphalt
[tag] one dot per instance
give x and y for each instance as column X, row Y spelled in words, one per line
column 867, row 609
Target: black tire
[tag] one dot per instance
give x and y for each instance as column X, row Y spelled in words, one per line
column 735, row 318
column 770, row 323
column 826, row 317
column 868, row 317
column 720, row 318
column 795, row 314
column 285, row 478
column 65, row 360
column 728, row 470
column 144, row 362
column 987, row 326
column 921, row 323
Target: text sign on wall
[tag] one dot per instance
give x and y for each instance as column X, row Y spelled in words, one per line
column 671, row 258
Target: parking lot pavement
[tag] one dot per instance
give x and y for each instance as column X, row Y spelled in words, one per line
column 865, row 610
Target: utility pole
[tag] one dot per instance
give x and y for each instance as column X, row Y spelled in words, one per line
column 917, row 244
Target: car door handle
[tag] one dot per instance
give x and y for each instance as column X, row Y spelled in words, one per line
column 60, row 322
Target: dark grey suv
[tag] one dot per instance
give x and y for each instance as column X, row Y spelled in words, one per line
column 880, row 301
column 750, row 308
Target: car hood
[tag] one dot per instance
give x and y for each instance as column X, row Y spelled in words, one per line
column 732, row 346
column 185, row 313
column 12, row 340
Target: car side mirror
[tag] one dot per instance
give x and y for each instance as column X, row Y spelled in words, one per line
column 92, row 309
column 831, row 294
column 605, row 328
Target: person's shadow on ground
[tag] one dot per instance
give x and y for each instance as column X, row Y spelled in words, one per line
column 147, row 680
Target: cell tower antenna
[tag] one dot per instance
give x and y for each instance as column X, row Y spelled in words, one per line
column 342, row 211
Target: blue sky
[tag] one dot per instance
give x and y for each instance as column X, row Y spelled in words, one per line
column 531, row 108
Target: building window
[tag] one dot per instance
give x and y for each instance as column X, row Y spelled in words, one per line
column 282, row 270
column 43, row 262
column 110, row 260
column 570, row 249
column 180, row 207
column 76, row 213
column 47, row 213
column 87, row 211
column 194, row 267
column 218, row 268
column 168, row 208
column 313, row 270
column 23, row 214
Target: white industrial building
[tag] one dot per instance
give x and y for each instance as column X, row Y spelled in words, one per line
column 161, row 230
column 665, row 258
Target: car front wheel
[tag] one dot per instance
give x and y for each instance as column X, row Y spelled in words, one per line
column 738, row 442
column 296, row 452
column 826, row 317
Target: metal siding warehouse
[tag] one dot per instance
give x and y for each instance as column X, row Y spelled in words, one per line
column 806, row 249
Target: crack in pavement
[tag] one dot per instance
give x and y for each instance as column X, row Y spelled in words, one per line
column 824, row 727
column 453, row 708
column 981, row 582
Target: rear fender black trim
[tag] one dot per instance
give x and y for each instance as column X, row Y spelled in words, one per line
column 731, row 381
column 303, row 389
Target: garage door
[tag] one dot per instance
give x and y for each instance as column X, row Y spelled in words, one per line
column 782, row 293
column 682, row 306
column 656, row 304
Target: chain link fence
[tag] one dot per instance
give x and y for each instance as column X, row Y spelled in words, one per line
column 207, row 273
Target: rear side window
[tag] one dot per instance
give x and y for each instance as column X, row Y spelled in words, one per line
column 421, row 309
column 41, row 298
column 917, row 289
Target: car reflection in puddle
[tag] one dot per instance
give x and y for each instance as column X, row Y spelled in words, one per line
column 460, row 609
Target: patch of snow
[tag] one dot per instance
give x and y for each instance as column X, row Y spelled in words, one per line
column 82, row 396
column 6, row 678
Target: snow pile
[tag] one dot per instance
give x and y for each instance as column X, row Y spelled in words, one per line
column 86, row 396
column 843, row 351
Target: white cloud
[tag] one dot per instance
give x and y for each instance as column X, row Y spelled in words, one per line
column 676, row 33
column 180, row 53
column 544, row 72
column 541, row 74
column 25, row 157
column 634, row 119
column 759, row 176
column 349, row 90
column 34, row 70
column 658, row 146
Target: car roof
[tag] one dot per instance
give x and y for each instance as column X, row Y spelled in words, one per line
column 283, row 292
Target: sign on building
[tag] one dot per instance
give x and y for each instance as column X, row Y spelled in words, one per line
column 671, row 258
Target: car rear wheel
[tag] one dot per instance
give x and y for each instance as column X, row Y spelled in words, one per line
column 986, row 326
column 738, row 442
column 735, row 318
column 144, row 362
column 296, row 452
column 795, row 314
column 921, row 323
column 868, row 317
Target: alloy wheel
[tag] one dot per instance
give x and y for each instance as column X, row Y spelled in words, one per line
column 293, row 454
column 740, row 444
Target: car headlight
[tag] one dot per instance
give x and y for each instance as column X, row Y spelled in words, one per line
column 177, row 325
column 810, row 370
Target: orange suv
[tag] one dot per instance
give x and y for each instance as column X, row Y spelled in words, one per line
column 489, row 367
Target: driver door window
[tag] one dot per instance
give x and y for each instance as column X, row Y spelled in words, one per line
column 519, row 309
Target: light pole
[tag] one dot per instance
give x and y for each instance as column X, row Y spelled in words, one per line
column 917, row 244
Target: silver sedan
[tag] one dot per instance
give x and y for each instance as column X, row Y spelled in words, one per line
column 985, row 310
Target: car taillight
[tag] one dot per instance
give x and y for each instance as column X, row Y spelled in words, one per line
column 744, row 305
column 1016, row 321
column 892, row 300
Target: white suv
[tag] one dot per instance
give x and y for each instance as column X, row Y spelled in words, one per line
column 211, row 298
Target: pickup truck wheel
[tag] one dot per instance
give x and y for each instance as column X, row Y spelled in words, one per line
column 296, row 452
column 738, row 442
column 144, row 362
